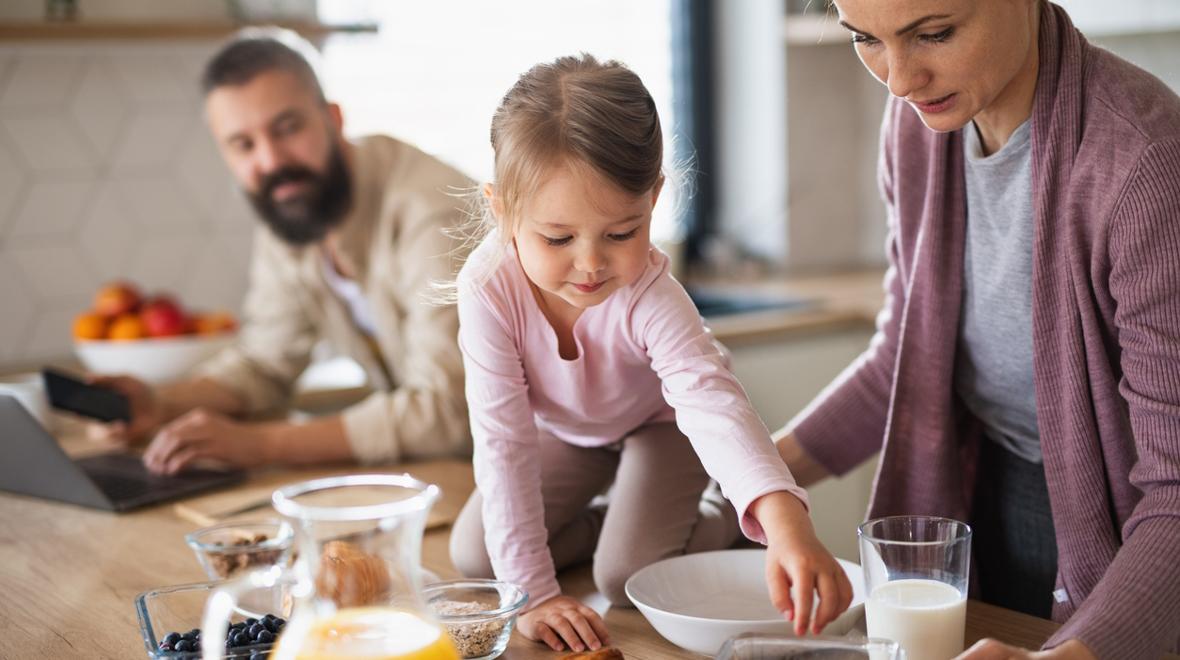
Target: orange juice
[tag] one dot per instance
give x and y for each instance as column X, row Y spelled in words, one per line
column 367, row 633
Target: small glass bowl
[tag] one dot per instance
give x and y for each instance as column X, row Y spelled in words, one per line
column 180, row 609
column 478, row 614
column 757, row 646
column 231, row 548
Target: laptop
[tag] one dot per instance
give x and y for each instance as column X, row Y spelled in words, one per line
column 32, row 463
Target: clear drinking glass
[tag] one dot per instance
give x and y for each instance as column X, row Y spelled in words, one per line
column 356, row 588
column 916, row 571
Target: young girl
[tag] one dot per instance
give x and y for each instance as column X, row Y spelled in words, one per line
column 587, row 361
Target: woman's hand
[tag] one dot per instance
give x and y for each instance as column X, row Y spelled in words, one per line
column 990, row 649
column 797, row 561
column 202, row 434
column 564, row 622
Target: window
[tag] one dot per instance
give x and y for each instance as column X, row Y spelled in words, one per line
column 435, row 71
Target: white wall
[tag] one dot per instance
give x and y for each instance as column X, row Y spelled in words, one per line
column 107, row 171
column 1102, row 17
column 836, row 220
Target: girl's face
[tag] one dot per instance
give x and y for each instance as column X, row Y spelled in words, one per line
column 949, row 59
column 581, row 238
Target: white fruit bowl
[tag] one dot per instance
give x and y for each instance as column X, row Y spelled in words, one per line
column 154, row 360
column 698, row 601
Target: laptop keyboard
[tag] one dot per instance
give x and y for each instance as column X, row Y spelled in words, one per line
column 127, row 483
column 118, row 487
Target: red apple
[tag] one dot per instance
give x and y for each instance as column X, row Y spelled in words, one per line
column 163, row 317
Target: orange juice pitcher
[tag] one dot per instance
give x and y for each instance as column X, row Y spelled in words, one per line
column 354, row 591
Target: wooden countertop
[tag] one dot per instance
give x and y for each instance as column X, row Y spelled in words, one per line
column 70, row 576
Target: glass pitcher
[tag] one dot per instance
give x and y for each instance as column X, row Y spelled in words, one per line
column 354, row 590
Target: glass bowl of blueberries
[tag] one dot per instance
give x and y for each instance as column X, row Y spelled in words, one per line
column 170, row 619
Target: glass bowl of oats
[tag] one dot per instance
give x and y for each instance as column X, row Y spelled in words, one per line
column 477, row 614
column 231, row 548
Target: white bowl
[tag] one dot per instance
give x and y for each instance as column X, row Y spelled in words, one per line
column 699, row 601
column 155, row 360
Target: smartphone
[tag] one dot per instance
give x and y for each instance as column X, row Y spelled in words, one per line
column 68, row 393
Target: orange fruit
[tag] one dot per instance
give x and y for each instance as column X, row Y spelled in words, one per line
column 211, row 323
column 89, row 325
column 125, row 327
column 116, row 298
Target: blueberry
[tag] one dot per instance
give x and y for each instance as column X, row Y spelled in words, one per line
column 251, row 621
column 183, row 645
column 269, row 624
column 280, row 622
column 171, row 638
column 265, row 637
column 240, row 639
column 196, row 632
column 254, row 630
column 259, row 655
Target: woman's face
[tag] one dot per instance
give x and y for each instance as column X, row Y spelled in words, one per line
column 949, row 59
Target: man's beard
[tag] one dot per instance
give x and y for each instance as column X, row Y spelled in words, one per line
column 307, row 217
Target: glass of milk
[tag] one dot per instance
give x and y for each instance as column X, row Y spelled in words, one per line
column 916, row 570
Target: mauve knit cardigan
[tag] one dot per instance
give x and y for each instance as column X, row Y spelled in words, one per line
column 1106, row 340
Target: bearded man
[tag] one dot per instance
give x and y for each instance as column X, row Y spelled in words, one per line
column 353, row 235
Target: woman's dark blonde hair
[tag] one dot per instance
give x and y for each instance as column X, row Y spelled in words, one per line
column 576, row 112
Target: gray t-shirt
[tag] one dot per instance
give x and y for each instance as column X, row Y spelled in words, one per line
column 994, row 361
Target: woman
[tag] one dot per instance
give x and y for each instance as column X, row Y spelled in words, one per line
column 1025, row 375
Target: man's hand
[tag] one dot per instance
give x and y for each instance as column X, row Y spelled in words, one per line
column 202, row 434
column 990, row 649
column 146, row 412
column 564, row 622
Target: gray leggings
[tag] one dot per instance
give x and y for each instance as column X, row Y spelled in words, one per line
column 661, row 505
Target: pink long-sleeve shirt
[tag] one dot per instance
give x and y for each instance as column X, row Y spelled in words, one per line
column 644, row 355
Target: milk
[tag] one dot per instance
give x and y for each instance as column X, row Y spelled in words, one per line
column 926, row 617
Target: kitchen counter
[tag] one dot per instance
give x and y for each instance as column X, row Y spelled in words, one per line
column 70, row 575
column 831, row 302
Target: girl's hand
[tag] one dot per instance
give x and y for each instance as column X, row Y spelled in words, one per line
column 564, row 622
column 797, row 561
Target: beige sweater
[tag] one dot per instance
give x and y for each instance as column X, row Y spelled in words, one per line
column 394, row 240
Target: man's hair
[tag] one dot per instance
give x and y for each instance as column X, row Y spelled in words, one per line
column 253, row 51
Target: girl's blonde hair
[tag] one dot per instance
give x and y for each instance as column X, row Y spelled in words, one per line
column 574, row 111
